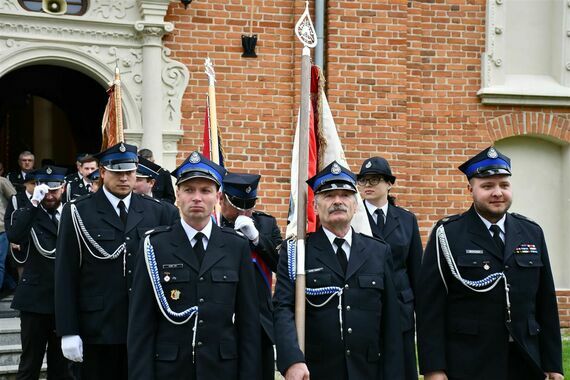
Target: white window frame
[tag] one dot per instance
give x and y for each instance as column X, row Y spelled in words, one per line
column 500, row 87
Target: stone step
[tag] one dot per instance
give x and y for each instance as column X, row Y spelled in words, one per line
column 5, row 310
column 9, row 372
column 9, row 331
column 10, row 354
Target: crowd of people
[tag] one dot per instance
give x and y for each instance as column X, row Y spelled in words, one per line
column 121, row 275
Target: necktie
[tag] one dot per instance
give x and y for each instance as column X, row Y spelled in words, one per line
column 340, row 254
column 199, row 247
column 88, row 187
column 122, row 212
column 380, row 219
column 496, row 230
column 53, row 216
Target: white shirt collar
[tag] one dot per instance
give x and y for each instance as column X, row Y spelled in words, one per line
column 29, row 195
column 347, row 243
column 500, row 223
column 191, row 231
column 115, row 200
column 372, row 209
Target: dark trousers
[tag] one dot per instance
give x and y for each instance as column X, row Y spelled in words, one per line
column 37, row 331
column 104, row 362
column 267, row 357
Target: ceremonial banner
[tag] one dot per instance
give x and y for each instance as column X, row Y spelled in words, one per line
column 112, row 124
column 324, row 147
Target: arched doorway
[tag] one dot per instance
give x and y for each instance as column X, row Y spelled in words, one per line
column 54, row 112
column 541, row 191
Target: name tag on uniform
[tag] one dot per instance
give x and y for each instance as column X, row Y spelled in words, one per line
column 314, row 270
column 172, row 266
column 474, row 251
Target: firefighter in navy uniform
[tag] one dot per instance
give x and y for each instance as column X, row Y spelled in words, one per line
column 21, row 199
column 26, row 161
column 237, row 203
column 147, row 174
column 193, row 314
column 486, row 298
column 399, row 228
column 81, row 185
column 35, row 224
column 98, row 239
column 352, row 321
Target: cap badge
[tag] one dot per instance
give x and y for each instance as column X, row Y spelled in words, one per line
column 492, row 153
column 175, row 294
column 48, row 170
column 248, row 190
column 122, row 148
column 368, row 165
column 335, row 169
column 194, row 158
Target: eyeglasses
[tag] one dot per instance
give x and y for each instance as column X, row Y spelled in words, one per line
column 371, row 181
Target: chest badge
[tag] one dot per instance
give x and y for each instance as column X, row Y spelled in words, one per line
column 175, row 294
column 166, row 277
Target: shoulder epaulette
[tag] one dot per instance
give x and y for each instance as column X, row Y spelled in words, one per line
column 522, row 217
column 449, row 219
column 81, row 198
column 144, row 196
column 373, row 238
column 157, row 230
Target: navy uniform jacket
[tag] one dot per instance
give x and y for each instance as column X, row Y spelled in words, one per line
column 220, row 287
column 35, row 291
column 17, row 180
column 401, row 232
column 163, row 188
column 73, row 177
column 21, row 200
column 269, row 240
column 75, row 189
column 91, row 294
column 372, row 346
column 465, row 333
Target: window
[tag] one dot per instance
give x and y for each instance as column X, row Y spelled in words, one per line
column 74, row 7
column 527, row 53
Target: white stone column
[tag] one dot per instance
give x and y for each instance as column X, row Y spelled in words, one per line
column 152, row 28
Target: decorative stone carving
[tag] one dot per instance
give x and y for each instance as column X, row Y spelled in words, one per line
column 112, row 8
column 112, row 33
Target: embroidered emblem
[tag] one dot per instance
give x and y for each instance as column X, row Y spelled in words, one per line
column 368, row 165
column 175, row 294
column 336, row 170
column 248, row 190
column 194, row 158
column 166, row 278
column 122, row 148
column 48, row 170
column 492, row 153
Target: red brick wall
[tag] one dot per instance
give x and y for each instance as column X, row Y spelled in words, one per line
column 402, row 79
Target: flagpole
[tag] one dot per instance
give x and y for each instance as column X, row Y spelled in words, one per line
column 306, row 33
column 215, row 145
column 118, row 106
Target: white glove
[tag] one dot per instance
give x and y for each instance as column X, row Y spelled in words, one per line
column 40, row 192
column 72, row 347
column 245, row 226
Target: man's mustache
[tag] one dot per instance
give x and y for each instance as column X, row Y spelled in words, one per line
column 337, row 208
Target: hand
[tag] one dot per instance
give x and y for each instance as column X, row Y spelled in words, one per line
column 245, row 226
column 437, row 375
column 40, row 192
column 72, row 347
column 297, row 371
column 553, row 376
